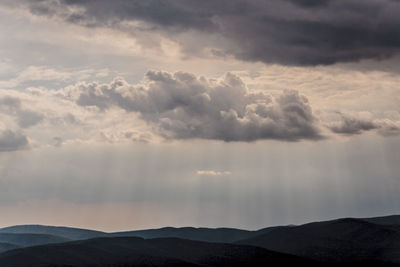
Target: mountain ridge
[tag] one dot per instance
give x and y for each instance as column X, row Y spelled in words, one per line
column 343, row 240
column 335, row 240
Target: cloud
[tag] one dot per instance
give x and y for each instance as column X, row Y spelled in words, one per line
column 310, row 3
column 10, row 104
column 180, row 106
column 35, row 73
column 389, row 127
column 46, row 75
column 49, row 119
column 25, row 117
column 212, row 173
column 28, row 118
column 12, row 141
column 306, row 32
column 352, row 124
column 183, row 106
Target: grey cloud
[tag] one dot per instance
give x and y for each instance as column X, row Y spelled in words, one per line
column 25, row 117
column 310, row 3
column 183, row 106
column 389, row 128
column 67, row 119
column 138, row 137
column 305, row 32
column 352, row 125
column 12, row 141
column 10, row 103
column 28, row 118
column 58, row 141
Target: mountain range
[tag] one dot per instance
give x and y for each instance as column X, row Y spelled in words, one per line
column 341, row 242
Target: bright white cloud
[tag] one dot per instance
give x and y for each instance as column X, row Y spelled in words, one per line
column 212, row 173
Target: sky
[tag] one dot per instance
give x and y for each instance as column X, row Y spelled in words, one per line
column 118, row 115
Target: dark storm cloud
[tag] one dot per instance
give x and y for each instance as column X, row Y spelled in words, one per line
column 12, row 141
column 293, row 32
column 310, row 3
column 183, row 106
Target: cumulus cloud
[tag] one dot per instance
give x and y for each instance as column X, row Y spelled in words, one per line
column 179, row 106
column 304, row 32
column 351, row 124
column 183, row 106
column 12, row 141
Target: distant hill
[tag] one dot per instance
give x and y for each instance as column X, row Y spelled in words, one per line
column 339, row 240
column 218, row 235
column 132, row 251
column 25, row 240
column 6, row 246
column 65, row 232
column 384, row 220
column 215, row 235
